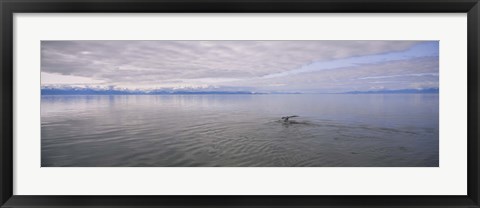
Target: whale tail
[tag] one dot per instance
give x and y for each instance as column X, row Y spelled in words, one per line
column 285, row 118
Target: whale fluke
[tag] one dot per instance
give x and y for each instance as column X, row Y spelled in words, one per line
column 285, row 118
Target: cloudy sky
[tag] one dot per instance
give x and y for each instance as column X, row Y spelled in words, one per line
column 262, row 66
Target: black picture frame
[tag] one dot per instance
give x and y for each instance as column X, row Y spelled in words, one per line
column 9, row 7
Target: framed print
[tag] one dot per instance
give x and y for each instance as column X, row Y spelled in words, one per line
column 239, row 104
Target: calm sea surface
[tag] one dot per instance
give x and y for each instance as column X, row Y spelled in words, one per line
column 344, row 130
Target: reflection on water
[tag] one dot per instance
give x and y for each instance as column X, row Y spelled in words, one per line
column 240, row 130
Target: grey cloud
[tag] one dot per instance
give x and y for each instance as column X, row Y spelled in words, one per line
column 413, row 73
column 143, row 62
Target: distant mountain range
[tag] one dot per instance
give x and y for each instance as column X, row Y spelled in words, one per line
column 99, row 91
column 403, row 91
column 68, row 90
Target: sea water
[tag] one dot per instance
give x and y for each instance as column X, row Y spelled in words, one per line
column 232, row 130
